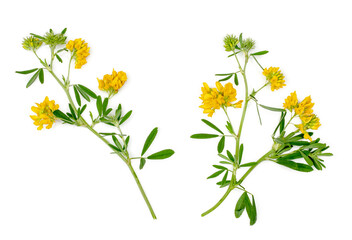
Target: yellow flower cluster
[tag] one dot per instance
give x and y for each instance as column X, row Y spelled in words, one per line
column 44, row 113
column 275, row 77
column 304, row 110
column 112, row 83
column 221, row 96
column 80, row 50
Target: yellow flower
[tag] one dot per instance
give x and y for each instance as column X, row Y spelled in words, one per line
column 313, row 122
column 275, row 77
column 305, row 107
column 291, row 102
column 80, row 50
column 303, row 129
column 304, row 110
column 44, row 113
column 112, row 83
column 215, row 98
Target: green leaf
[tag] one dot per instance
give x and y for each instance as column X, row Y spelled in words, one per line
column 282, row 118
column 83, row 108
column 296, row 166
column 62, row 116
column 236, row 79
column 78, row 98
column 216, row 174
column 240, row 154
column 248, row 164
column 149, row 140
column 99, row 105
column 105, row 105
column 290, row 156
column 251, row 210
column 260, row 53
column 224, row 179
column 162, row 154
column 219, row 167
column 229, row 127
column 114, row 148
column 118, row 112
column 212, row 125
column 41, row 75
column 27, row 71
column 306, row 158
column 223, row 74
column 314, row 145
column 224, row 157
column 125, row 117
column 272, row 109
column 225, row 79
column 221, row 144
column 83, row 94
column 230, row 156
column 204, row 136
column 33, row 78
column 316, row 163
column 107, row 134
column 142, row 163
column 282, row 126
column 127, row 141
column 117, row 143
column 299, row 143
column 64, row 31
column 58, row 58
column 88, row 91
column 72, row 111
column 240, row 206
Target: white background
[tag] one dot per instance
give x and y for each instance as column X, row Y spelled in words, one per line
column 62, row 183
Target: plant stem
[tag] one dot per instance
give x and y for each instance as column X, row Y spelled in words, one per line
column 257, row 62
column 218, row 203
column 233, row 178
column 230, row 188
column 263, row 158
column 141, row 190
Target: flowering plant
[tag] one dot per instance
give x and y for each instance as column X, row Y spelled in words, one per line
column 47, row 112
column 289, row 145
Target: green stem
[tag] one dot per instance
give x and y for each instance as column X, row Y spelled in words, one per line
column 263, row 158
column 218, row 203
column 233, row 178
column 141, row 190
column 257, row 62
